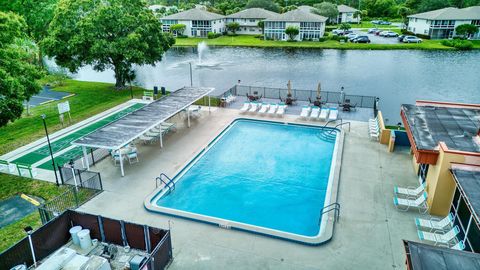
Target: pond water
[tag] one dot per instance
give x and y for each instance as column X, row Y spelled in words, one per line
column 396, row 76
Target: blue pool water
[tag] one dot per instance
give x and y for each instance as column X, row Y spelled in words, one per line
column 259, row 173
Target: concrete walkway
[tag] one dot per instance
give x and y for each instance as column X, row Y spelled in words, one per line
column 367, row 236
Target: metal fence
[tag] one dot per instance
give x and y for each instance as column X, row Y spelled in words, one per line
column 302, row 95
column 155, row 242
column 82, row 185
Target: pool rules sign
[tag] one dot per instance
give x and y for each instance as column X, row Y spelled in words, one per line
column 64, row 107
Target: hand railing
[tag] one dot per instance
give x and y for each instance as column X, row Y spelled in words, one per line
column 169, row 183
column 331, row 207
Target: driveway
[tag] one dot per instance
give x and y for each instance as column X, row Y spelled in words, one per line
column 376, row 39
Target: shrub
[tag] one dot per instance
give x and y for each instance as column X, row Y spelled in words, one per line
column 322, row 39
column 212, row 35
column 458, row 44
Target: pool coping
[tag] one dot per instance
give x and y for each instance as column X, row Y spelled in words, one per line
column 326, row 229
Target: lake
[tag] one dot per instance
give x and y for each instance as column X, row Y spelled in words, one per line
column 396, row 76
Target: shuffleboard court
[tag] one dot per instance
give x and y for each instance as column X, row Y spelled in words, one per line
column 63, row 143
column 46, row 95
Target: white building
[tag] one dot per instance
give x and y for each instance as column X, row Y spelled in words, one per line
column 346, row 14
column 249, row 19
column 310, row 25
column 198, row 22
column 441, row 23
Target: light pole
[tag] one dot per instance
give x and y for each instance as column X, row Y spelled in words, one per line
column 191, row 76
column 50, row 148
column 29, row 231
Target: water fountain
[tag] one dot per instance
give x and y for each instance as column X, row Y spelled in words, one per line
column 202, row 50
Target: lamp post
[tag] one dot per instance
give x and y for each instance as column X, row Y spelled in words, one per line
column 29, row 231
column 191, row 76
column 50, row 148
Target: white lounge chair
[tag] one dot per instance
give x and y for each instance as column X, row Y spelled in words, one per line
column 435, row 224
column 273, row 109
column 419, row 203
column 264, row 108
column 409, row 191
column 246, row 107
column 281, row 109
column 315, row 113
column 459, row 246
column 305, row 112
column 333, row 114
column 442, row 239
column 254, row 107
column 324, row 114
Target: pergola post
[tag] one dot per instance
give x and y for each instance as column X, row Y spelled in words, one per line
column 121, row 161
column 85, row 156
column 468, row 227
column 188, row 116
column 208, row 103
column 161, row 137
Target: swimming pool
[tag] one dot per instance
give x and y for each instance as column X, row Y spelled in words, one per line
column 260, row 176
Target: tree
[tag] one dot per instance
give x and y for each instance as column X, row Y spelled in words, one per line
column 292, row 32
column 178, row 28
column 17, row 74
column 261, row 25
column 466, row 30
column 265, row 4
column 345, row 26
column 356, row 15
column 233, row 27
column 37, row 14
column 403, row 12
column 106, row 34
column 326, row 9
column 427, row 5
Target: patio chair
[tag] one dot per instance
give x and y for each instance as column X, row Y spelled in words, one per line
column 132, row 155
column 281, row 109
column 435, row 224
column 324, row 114
column 254, row 107
column 246, row 107
column 264, row 108
column 459, row 246
column 439, row 238
column 273, row 108
column 333, row 116
column 315, row 113
column 409, row 191
column 305, row 112
column 419, row 203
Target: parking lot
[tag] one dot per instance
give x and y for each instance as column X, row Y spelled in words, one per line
column 376, row 39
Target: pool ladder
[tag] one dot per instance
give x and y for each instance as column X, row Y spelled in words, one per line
column 331, row 207
column 169, row 183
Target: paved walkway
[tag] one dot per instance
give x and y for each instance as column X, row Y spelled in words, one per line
column 367, row 236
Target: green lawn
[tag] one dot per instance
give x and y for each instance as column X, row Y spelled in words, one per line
column 90, row 98
column 252, row 41
column 11, row 185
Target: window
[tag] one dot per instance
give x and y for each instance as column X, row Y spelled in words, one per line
column 252, row 20
column 476, row 22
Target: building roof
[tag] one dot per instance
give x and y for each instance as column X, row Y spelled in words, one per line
column 344, row 9
column 429, row 257
column 252, row 13
column 297, row 15
column 194, row 14
column 468, row 179
column 121, row 132
column 455, row 125
column 450, row 13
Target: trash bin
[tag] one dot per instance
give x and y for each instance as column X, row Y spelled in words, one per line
column 164, row 91
column 155, row 90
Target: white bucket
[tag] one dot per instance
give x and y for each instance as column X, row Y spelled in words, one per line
column 73, row 232
column 85, row 240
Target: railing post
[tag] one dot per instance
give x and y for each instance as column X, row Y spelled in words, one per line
column 75, row 195
column 61, row 174
column 100, row 181
column 91, row 153
column 80, row 177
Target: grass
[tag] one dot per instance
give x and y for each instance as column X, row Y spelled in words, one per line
column 90, row 98
column 11, row 185
column 252, row 41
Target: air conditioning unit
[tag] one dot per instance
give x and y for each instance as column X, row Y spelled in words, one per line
column 136, row 262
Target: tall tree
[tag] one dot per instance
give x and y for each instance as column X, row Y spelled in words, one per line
column 114, row 34
column 292, row 32
column 327, row 9
column 427, row 5
column 265, row 4
column 233, row 27
column 17, row 75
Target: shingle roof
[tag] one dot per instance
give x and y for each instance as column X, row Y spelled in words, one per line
column 344, row 8
column 297, row 15
column 194, row 14
column 450, row 13
column 253, row 13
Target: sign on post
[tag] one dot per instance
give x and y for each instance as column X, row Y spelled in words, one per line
column 64, row 107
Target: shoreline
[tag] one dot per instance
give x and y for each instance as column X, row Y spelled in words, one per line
column 253, row 42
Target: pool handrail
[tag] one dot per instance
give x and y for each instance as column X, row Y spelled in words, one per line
column 167, row 183
column 328, row 208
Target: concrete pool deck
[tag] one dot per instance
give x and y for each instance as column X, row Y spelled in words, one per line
column 367, row 236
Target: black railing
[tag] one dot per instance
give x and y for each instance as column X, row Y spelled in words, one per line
column 303, row 95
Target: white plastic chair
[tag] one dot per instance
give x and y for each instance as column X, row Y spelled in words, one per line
column 439, row 238
column 419, row 203
column 409, row 191
column 435, row 224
